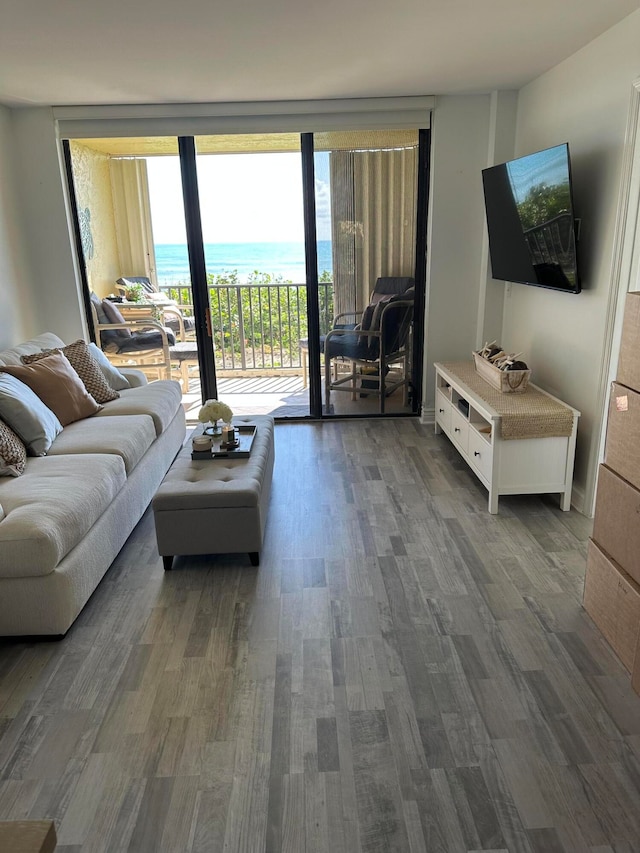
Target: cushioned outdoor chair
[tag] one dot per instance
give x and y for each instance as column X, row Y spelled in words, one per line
column 128, row 343
column 173, row 316
column 379, row 343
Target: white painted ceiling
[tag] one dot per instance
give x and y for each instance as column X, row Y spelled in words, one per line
column 171, row 51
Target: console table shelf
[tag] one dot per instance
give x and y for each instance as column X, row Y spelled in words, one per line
column 513, row 466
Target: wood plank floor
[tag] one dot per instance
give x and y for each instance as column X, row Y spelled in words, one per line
column 403, row 673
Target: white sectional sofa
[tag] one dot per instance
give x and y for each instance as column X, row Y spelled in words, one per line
column 64, row 520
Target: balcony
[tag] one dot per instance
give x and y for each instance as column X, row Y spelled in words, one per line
column 257, row 326
column 260, row 365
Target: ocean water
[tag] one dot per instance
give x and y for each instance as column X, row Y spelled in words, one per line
column 277, row 259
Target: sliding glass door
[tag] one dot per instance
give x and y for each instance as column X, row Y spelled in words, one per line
column 366, row 206
column 260, row 244
column 251, row 210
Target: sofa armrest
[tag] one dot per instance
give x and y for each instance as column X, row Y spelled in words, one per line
column 134, row 377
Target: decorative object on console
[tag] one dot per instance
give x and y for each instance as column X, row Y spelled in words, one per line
column 211, row 412
column 502, row 370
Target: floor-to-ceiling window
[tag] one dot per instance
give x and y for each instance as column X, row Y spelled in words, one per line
column 258, row 294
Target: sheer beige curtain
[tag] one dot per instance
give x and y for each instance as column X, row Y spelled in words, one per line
column 373, row 209
column 132, row 212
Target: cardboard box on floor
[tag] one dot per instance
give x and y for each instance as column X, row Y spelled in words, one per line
column 612, row 599
column 629, row 360
column 622, row 447
column 616, row 525
column 27, row 836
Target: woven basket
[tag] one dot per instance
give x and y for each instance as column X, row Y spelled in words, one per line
column 507, row 381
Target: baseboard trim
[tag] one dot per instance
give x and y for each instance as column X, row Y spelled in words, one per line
column 428, row 416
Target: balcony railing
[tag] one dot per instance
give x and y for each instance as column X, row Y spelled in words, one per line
column 258, row 326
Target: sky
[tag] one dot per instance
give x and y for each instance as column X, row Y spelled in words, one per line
column 549, row 167
column 244, row 198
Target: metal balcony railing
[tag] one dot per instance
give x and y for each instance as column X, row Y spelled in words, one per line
column 258, row 326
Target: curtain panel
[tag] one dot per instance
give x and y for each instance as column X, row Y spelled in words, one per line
column 132, row 211
column 373, row 206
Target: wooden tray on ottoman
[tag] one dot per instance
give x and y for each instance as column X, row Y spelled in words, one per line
column 246, row 434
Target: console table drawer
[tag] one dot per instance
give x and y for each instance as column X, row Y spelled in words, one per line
column 459, row 430
column 443, row 412
column 480, row 454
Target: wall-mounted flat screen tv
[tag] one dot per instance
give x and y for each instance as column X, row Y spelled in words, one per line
column 530, row 220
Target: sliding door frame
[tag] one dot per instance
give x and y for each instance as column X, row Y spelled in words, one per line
column 75, row 223
column 422, row 222
column 198, row 267
column 311, row 264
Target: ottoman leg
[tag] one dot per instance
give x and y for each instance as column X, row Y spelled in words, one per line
column 167, row 562
column 254, row 556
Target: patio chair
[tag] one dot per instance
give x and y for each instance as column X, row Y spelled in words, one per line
column 172, row 315
column 373, row 346
column 145, row 345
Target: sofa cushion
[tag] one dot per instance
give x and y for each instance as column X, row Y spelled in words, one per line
column 128, row 438
column 51, row 507
column 13, row 453
column 27, row 415
column 159, row 399
column 85, row 365
column 58, row 385
column 146, row 339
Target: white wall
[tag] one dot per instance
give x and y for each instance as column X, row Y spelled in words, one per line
column 15, row 277
column 38, row 168
column 584, row 101
column 460, row 134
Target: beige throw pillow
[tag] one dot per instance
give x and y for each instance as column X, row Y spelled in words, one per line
column 57, row 384
column 86, row 367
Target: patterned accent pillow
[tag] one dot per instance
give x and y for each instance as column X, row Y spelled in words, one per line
column 13, row 453
column 85, row 366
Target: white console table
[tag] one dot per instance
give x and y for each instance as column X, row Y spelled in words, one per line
column 511, row 445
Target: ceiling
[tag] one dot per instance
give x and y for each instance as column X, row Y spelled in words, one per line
column 133, row 52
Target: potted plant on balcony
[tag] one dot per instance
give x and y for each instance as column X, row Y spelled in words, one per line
column 134, row 293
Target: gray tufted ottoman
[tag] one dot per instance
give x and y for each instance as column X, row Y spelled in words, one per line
column 216, row 506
